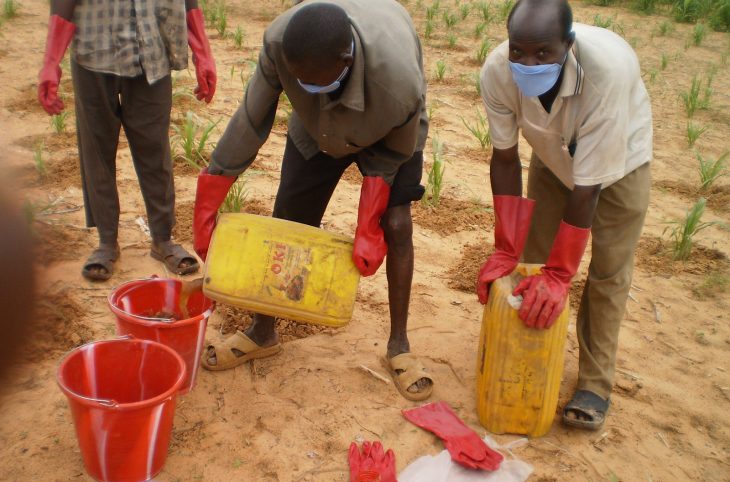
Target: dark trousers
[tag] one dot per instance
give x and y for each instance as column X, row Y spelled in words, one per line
column 104, row 103
column 306, row 186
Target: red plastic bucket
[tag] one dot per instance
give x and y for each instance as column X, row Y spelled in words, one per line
column 149, row 309
column 122, row 397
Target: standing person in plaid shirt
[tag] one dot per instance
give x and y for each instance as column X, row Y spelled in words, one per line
column 123, row 52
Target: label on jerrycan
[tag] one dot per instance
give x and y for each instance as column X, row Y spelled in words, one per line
column 288, row 270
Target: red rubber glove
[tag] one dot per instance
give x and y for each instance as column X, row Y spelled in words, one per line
column 544, row 295
column 464, row 445
column 370, row 246
column 202, row 56
column 372, row 464
column 60, row 33
column 512, row 224
column 211, row 193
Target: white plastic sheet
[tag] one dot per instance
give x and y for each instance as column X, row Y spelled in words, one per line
column 441, row 468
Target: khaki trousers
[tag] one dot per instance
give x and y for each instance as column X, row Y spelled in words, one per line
column 615, row 233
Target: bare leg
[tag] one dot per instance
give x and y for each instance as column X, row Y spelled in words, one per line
column 398, row 227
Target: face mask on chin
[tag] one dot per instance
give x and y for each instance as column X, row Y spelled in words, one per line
column 535, row 80
column 326, row 89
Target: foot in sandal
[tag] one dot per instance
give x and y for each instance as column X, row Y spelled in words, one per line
column 586, row 410
column 100, row 265
column 175, row 257
column 409, row 375
column 259, row 341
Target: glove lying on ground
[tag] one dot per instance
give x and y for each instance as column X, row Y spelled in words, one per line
column 464, row 445
column 372, row 464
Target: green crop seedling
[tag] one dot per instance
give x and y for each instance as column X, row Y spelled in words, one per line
column 10, row 9
column 236, row 197
column 238, row 37
column 221, row 19
column 440, row 69
column 450, row 19
column 192, row 137
column 483, row 51
column 710, row 170
column 464, row 10
column 480, row 130
column 698, row 34
column 694, row 132
column 665, row 28
column 645, row 6
column 479, row 29
column 684, row 231
column 39, row 160
column 452, row 40
column 434, row 185
column 665, row 60
column 486, row 12
column 58, row 122
column 691, row 98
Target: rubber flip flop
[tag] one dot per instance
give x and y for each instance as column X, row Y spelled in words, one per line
column 411, row 370
column 172, row 255
column 226, row 358
column 587, row 404
column 102, row 257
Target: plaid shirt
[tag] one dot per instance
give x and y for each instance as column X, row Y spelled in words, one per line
column 131, row 37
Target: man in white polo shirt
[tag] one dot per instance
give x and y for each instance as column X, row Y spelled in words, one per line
column 576, row 94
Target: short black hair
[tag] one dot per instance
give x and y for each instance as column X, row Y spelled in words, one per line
column 317, row 33
column 564, row 12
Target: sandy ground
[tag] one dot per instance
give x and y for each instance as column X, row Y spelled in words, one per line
column 293, row 416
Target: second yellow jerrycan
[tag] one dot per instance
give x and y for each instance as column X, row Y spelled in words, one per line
column 281, row 268
column 518, row 368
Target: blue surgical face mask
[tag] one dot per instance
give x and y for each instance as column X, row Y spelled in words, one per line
column 326, row 89
column 534, row 80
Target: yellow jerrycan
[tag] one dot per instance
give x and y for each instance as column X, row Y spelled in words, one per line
column 518, row 368
column 281, row 268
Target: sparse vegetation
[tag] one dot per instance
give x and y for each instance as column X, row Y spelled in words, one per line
column 644, row 6
column 58, row 122
column 236, row 197
column 691, row 98
column 684, row 231
column 428, row 30
column 711, row 169
column 665, row 61
column 479, row 29
column 483, row 51
column 450, row 19
column 38, row 159
column 698, row 34
column 480, row 130
column 192, row 140
column 665, row 28
column 452, row 40
column 440, row 69
column 10, row 9
column 486, row 12
column 694, row 132
column 714, row 284
column 432, row 196
column 238, row 36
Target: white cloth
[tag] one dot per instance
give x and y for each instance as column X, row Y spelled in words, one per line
column 441, row 468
